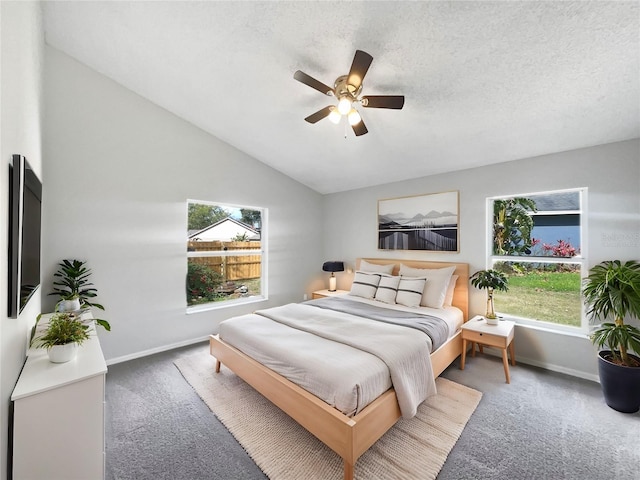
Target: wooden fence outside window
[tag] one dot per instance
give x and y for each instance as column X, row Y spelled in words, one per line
column 232, row 267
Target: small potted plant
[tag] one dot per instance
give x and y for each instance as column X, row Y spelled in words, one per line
column 74, row 289
column 63, row 335
column 612, row 291
column 491, row 280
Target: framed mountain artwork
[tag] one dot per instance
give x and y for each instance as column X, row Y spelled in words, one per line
column 420, row 222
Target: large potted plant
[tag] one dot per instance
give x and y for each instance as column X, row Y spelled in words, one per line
column 73, row 288
column 612, row 292
column 63, row 335
column 491, row 280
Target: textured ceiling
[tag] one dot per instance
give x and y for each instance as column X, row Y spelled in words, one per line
column 484, row 82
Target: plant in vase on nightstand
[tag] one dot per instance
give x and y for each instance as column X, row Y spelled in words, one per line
column 612, row 290
column 75, row 290
column 491, row 280
column 62, row 336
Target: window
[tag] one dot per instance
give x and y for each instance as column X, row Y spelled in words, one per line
column 537, row 242
column 226, row 255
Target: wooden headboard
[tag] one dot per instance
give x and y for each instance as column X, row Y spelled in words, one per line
column 460, row 294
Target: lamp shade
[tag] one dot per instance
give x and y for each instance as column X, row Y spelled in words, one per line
column 333, row 267
column 335, row 116
column 344, row 105
column 354, row 117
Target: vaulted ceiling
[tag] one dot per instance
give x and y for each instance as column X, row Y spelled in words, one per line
column 484, row 82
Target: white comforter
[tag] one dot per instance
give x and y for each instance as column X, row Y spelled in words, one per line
column 405, row 351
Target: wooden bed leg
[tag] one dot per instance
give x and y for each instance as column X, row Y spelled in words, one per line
column 348, row 471
column 217, row 366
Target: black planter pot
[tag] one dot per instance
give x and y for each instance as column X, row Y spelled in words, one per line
column 620, row 384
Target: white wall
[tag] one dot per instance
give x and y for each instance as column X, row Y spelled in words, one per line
column 610, row 172
column 21, row 51
column 119, row 170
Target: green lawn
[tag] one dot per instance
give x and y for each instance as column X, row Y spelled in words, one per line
column 547, row 296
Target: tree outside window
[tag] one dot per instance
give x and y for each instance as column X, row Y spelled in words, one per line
column 225, row 254
column 537, row 244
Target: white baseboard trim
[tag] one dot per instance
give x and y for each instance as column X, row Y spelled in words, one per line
column 489, row 350
column 545, row 365
column 164, row 348
column 559, row 369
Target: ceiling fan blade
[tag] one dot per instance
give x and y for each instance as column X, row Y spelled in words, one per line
column 383, row 101
column 361, row 63
column 319, row 115
column 312, row 82
column 359, row 128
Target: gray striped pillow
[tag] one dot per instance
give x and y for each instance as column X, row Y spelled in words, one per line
column 365, row 284
column 438, row 279
column 387, row 289
column 410, row 291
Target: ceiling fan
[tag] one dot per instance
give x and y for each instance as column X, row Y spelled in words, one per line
column 347, row 89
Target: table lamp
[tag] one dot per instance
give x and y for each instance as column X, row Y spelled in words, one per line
column 333, row 267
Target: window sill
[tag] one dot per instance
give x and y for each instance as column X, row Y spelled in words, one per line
column 226, row 304
column 546, row 326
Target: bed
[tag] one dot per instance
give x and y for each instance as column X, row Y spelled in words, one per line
column 347, row 434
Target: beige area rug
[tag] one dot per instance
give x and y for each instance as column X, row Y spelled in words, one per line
column 411, row 449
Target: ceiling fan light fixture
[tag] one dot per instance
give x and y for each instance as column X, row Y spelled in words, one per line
column 344, row 105
column 346, row 90
column 334, row 116
column 354, row 117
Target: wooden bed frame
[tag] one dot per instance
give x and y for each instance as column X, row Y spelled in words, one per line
column 349, row 437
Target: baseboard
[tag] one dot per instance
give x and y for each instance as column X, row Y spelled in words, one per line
column 547, row 366
column 164, row 348
column 559, row 369
column 489, row 350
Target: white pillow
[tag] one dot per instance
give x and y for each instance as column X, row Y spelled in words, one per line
column 448, row 298
column 410, row 291
column 372, row 268
column 437, row 283
column 365, row 284
column 387, row 289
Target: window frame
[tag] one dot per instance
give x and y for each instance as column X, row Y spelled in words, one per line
column 262, row 251
column 580, row 259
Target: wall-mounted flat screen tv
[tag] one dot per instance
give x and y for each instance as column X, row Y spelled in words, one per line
column 25, row 212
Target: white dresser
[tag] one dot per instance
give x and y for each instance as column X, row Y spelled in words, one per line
column 58, row 431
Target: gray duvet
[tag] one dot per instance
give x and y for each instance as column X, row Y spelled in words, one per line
column 435, row 327
column 345, row 359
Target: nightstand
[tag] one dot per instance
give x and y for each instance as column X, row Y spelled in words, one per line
column 326, row 293
column 500, row 336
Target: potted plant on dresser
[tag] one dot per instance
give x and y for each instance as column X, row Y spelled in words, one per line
column 75, row 291
column 62, row 336
column 491, row 280
column 612, row 291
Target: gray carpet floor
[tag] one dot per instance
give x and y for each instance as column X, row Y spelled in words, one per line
column 543, row 425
